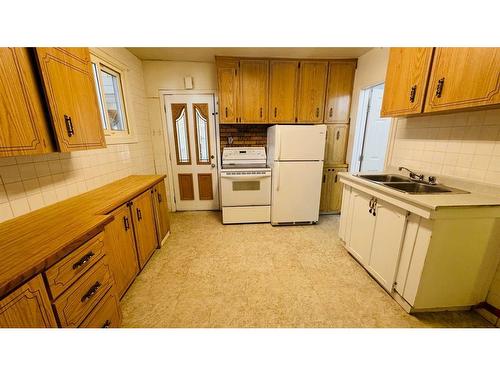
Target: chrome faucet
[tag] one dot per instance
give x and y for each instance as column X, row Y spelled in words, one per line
column 413, row 175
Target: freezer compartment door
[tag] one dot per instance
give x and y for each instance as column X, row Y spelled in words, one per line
column 296, row 190
column 296, row 142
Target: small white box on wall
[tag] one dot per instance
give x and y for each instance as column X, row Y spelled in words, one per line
column 188, row 82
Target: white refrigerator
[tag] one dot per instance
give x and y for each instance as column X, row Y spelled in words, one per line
column 295, row 154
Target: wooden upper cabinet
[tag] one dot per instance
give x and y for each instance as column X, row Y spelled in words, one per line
column 311, row 91
column 120, row 248
column 72, row 99
column 283, row 82
column 228, row 84
column 27, row 307
column 464, row 78
column 254, row 76
column 144, row 226
column 339, row 92
column 24, row 127
column 406, row 80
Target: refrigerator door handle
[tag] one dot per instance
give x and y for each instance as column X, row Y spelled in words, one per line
column 277, row 174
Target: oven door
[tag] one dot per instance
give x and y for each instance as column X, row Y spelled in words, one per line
column 245, row 189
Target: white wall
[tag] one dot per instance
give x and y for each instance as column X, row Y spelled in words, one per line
column 370, row 71
column 31, row 182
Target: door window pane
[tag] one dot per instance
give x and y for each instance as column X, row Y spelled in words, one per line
column 181, row 133
column 112, row 96
column 202, row 141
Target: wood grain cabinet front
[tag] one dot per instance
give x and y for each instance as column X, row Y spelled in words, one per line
column 339, row 91
column 106, row 314
column 254, row 76
column 24, row 127
column 72, row 99
column 331, row 190
column 27, row 307
column 161, row 211
column 120, row 247
column 228, row 83
column 283, row 81
column 144, row 226
column 464, row 78
column 336, row 144
column 311, row 91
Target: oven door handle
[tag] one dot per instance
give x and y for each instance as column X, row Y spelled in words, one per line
column 246, row 177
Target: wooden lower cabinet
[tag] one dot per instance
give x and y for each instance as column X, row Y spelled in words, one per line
column 106, row 314
column 120, row 247
column 161, row 211
column 336, row 144
column 144, row 226
column 27, row 307
column 331, row 190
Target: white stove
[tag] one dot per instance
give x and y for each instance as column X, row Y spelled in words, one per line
column 245, row 185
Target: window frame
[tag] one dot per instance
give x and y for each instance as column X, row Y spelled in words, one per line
column 114, row 136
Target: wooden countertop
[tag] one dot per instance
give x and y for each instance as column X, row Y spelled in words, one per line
column 31, row 243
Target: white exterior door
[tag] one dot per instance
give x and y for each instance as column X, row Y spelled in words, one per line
column 376, row 134
column 296, row 190
column 192, row 145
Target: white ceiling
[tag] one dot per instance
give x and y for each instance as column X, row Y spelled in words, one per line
column 206, row 54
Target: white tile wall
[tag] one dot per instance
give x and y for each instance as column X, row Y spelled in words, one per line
column 31, row 182
column 464, row 145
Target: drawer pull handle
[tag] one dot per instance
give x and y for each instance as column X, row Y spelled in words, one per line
column 260, row 112
column 275, row 111
column 91, row 292
column 439, row 88
column 317, row 111
column 331, row 112
column 413, row 91
column 139, row 214
column 69, row 125
column 338, row 135
column 85, row 259
column 159, row 198
column 126, row 223
column 226, row 111
column 106, row 324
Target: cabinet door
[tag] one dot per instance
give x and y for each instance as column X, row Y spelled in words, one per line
column 361, row 228
column 406, row 80
column 228, row 83
column 336, row 143
column 253, row 91
column 120, row 246
column 24, row 128
column 463, row 78
column 72, row 98
column 339, row 92
column 331, row 190
column 345, row 212
column 312, row 89
column 282, row 91
column 144, row 226
column 27, row 307
column 388, row 235
column 161, row 210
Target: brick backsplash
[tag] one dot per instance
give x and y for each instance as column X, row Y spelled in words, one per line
column 243, row 135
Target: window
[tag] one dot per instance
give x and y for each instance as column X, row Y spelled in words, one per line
column 109, row 86
column 201, row 126
column 181, row 133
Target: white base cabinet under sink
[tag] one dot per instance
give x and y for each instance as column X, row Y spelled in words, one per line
column 444, row 261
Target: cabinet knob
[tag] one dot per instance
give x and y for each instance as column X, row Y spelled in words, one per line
column 413, row 91
column 439, row 88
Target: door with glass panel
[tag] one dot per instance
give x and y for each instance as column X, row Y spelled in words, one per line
column 191, row 137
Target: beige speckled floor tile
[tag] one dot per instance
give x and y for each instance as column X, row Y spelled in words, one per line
column 213, row 275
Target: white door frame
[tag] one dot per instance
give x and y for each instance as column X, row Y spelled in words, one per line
column 359, row 133
column 166, row 143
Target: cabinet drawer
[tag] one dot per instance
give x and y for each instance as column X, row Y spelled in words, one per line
column 64, row 273
column 76, row 302
column 105, row 315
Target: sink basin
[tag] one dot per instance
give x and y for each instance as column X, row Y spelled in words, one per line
column 418, row 188
column 385, row 178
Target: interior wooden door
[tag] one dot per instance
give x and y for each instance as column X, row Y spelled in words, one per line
column 24, row 127
column 27, row 307
column 463, row 78
column 339, row 92
column 228, row 84
column 120, row 247
column 311, row 91
column 163, row 216
column 72, row 98
column 192, row 143
column 254, row 79
column 144, row 226
column 283, row 81
column 406, row 81
column 336, row 143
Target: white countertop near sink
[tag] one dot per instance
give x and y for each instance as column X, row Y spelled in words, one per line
column 428, row 201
